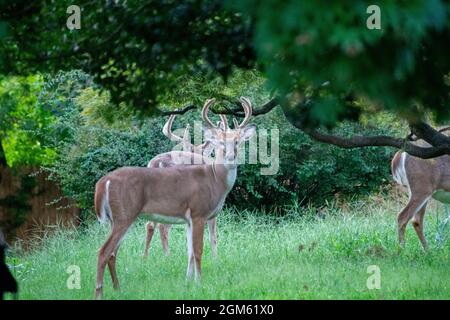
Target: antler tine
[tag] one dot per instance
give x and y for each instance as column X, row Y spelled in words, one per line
column 224, row 120
column 205, row 109
column 246, row 104
column 235, row 123
column 167, row 130
column 187, row 145
column 186, row 133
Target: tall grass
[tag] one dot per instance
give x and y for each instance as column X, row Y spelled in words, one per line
column 308, row 254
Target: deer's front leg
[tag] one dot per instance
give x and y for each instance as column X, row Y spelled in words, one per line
column 198, row 229
column 213, row 236
column 190, row 249
column 164, row 230
column 150, row 228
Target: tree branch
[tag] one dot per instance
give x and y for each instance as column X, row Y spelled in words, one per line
column 177, row 111
column 378, row 141
column 434, row 137
column 439, row 142
column 238, row 112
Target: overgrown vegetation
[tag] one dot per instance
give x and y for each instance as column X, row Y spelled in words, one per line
column 20, row 117
column 76, row 102
column 309, row 253
column 88, row 146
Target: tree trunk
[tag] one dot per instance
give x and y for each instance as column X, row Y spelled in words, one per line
column 2, row 156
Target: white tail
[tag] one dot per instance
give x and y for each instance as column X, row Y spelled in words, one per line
column 102, row 207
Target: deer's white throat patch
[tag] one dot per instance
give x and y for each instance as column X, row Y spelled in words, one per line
column 231, row 178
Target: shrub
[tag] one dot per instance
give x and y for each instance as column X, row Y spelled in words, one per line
column 310, row 172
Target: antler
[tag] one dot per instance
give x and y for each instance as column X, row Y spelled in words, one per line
column 167, row 130
column 246, row 104
column 224, row 122
column 223, row 118
column 205, row 110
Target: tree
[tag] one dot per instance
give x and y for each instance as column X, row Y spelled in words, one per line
column 322, row 63
column 20, row 118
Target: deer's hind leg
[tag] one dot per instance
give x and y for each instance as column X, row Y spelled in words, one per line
column 112, row 267
column 417, row 222
column 109, row 248
column 415, row 204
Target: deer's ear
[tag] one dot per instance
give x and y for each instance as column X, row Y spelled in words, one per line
column 247, row 132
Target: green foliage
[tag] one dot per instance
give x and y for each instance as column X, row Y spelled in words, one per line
column 309, row 172
column 125, row 44
column 89, row 137
column 20, row 118
column 87, row 145
column 313, row 172
column 296, row 45
column 307, row 43
column 97, row 151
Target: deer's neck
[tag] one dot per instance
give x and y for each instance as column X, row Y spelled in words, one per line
column 225, row 173
column 231, row 174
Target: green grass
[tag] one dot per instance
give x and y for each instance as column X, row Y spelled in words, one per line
column 309, row 254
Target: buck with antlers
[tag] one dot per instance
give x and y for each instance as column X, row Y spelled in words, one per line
column 189, row 194
column 175, row 158
column 424, row 179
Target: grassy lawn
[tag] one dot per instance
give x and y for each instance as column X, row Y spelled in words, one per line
column 309, row 254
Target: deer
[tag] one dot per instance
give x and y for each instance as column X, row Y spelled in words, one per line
column 188, row 195
column 7, row 281
column 423, row 179
column 173, row 158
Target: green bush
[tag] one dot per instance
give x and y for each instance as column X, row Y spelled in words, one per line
column 309, row 172
column 312, row 172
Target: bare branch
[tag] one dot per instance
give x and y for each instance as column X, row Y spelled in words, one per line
column 444, row 129
column 434, row 137
column 177, row 111
column 237, row 111
column 378, row 141
column 440, row 143
column 413, row 137
column 265, row 108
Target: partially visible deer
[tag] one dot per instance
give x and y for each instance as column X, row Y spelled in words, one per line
column 7, row 281
column 424, row 179
column 189, row 195
column 175, row 158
